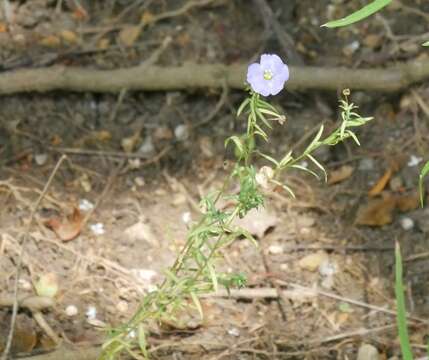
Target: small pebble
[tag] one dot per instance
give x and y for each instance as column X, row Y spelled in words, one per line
column 71, row 310
column 407, row 223
column 122, row 306
column 367, row 352
column 85, row 205
column 41, row 159
column 328, row 268
column 233, row 332
column 414, row 161
column 91, row 312
column 97, row 229
column 186, row 217
column 366, row 164
column 275, row 249
column 181, row 132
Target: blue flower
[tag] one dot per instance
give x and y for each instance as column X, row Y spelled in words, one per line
column 269, row 76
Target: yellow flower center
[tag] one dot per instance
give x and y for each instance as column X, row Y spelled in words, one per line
column 268, row 75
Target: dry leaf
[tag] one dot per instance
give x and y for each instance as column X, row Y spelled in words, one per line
column 3, row 27
column 381, row 183
column 129, row 34
column 51, row 41
column 257, row 222
column 103, row 44
column 147, row 17
column 47, row 285
column 408, row 202
column 69, row 37
column 312, row 262
column 24, row 340
column 376, row 212
column 341, row 174
column 66, row 229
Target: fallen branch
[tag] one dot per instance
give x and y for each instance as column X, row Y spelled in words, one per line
column 191, row 76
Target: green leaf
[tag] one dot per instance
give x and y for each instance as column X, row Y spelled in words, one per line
column 213, row 276
column 243, row 106
column 359, row 15
column 401, row 315
column 426, row 43
column 238, row 144
column 269, row 158
column 142, row 340
column 197, row 303
column 318, row 165
column 315, row 140
column 306, row 170
column 423, row 173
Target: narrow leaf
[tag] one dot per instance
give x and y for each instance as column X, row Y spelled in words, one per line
column 319, row 166
column 401, row 315
column 142, row 340
column 197, row 303
column 359, row 15
column 306, row 170
column 423, row 173
column 426, row 43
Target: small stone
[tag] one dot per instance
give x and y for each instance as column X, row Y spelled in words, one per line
column 407, row 223
column 328, row 268
column 71, row 310
column 41, row 159
column 366, row 164
column 313, row 261
column 414, row 160
column 97, row 229
column 25, row 284
column 122, row 306
column 351, row 48
column 186, row 217
column 181, row 132
column 367, row 352
column 396, row 183
column 275, row 249
column 234, row 332
column 139, row 181
column 147, row 148
column 91, row 312
column 85, row 205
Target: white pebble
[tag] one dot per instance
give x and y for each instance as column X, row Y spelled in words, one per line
column 122, row 306
column 328, row 268
column 85, row 205
column 186, row 217
column 181, row 132
column 97, row 229
column 71, row 310
column 407, row 223
column 41, row 159
column 275, row 249
column 233, row 332
column 91, row 312
column 414, row 161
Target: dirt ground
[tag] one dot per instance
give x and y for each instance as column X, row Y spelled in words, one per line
column 116, row 213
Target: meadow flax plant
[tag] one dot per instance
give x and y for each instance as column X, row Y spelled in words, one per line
column 194, row 271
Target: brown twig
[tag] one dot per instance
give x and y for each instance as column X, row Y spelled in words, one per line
column 20, row 258
column 191, row 76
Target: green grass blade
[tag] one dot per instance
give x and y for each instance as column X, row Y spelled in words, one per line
column 423, row 173
column 359, row 15
column 426, row 43
column 401, row 315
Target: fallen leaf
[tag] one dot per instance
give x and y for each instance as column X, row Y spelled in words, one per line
column 341, row 174
column 51, row 41
column 47, row 285
column 376, row 212
column 69, row 37
column 129, row 34
column 141, row 231
column 381, row 183
column 24, row 340
column 257, row 222
column 147, row 17
column 66, row 229
column 408, row 202
column 3, row 27
column 312, row 262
